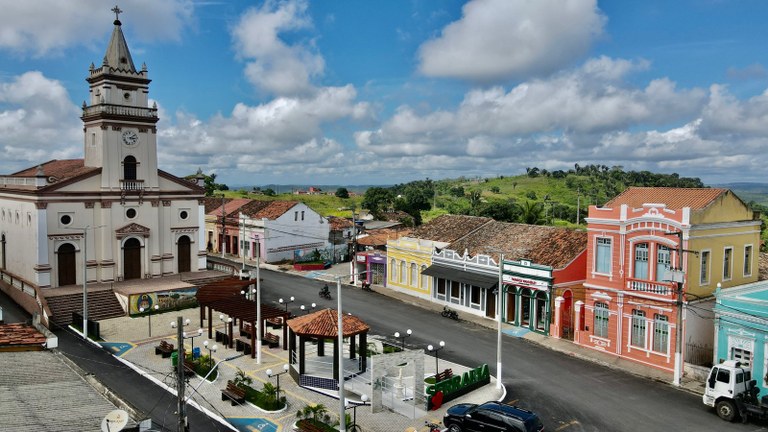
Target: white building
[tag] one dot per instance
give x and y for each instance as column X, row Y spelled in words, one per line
column 130, row 218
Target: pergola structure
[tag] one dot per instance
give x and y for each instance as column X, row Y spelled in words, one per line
column 224, row 296
column 323, row 325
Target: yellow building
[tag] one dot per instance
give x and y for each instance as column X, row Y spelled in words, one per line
column 408, row 257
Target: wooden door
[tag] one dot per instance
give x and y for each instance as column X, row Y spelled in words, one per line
column 132, row 259
column 184, row 254
column 490, row 304
column 66, row 263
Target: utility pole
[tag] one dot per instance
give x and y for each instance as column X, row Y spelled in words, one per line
column 222, row 225
column 182, row 425
column 258, row 303
column 677, row 277
column 85, row 282
column 578, row 205
column 499, row 298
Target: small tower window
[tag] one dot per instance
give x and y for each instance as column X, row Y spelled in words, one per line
column 129, row 168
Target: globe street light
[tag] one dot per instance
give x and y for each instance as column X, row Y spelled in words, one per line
column 311, row 308
column 149, row 316
column 270, row 374
column 363, row 402
column 193, row 336
column 285, row 302
column 227, row 322
column 435, row 350
column 211, row 350
column 402, row 338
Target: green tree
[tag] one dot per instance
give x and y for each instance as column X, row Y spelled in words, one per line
column 532, row 213
column 500, row 211
column 377, row 199
column 342, row 193
column 474, row 200
column 495, row 189
column 269, row 192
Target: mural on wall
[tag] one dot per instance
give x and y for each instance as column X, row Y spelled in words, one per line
column 313, row 256
column 166, row 300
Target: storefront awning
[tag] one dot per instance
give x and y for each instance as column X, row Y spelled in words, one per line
column 481, row 280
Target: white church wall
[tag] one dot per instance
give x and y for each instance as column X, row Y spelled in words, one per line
column 18, row 221
column 291, row 232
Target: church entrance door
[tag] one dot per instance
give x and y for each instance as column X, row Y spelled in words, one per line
column 183, row 254
column 132, row 259
column 66, row 264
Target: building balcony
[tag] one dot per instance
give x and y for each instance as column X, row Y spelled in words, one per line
column 132, row 185
column 119, row 110
column 651, row 287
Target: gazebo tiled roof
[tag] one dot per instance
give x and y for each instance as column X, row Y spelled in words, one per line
column 324, row 324
column 224, row 296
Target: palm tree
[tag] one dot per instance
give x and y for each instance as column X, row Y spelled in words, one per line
column 532, row 213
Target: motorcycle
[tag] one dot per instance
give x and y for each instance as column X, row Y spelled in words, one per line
column 450, row 313
column 325, row 293
column 433, row 427
column 366, row 286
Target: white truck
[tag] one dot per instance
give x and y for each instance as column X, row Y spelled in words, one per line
column 731, row 390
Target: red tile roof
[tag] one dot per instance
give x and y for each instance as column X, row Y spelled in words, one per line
column 267, row 209
column 546, row 245
column 20, row 335
column 338, row 223
column 448, row 228
column 673, row 198
column 231, row 205
column 324, row 323
column 61, row 169
column 379, row 237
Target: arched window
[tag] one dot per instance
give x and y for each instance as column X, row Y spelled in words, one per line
column 662, row 261
column 638, row 328
column 392, row 270
column 413, row 274
column 641, row 261
column 600, row 324
column 402, row 272
column 129, row 168
column 424, row 278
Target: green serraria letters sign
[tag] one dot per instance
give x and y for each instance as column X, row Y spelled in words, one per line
column 457, row 383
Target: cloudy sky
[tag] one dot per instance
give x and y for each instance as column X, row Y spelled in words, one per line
column 381, row 92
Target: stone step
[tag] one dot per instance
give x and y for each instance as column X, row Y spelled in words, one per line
column 101, row 305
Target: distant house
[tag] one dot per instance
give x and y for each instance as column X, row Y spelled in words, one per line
column 217, row 209
column 340, row 236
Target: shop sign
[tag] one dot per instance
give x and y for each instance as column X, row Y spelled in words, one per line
column 361, row 258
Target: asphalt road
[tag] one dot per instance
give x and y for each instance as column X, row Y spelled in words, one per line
column 568, row 393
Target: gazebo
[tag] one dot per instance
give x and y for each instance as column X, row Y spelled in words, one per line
column 321, row 326
column 224, row 296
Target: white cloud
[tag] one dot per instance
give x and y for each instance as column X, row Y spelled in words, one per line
column 38, row 122
column 45, row 26
column 502, row 39
column 272, row 64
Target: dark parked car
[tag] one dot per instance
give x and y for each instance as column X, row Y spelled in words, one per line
column 491, row 417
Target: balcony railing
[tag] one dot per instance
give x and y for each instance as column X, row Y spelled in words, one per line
column 651, row 287
column 119, row 110
column 132, row 185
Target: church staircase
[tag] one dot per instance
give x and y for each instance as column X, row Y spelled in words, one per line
column 102, row 304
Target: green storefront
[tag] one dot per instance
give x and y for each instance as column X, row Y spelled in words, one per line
column 527, row 299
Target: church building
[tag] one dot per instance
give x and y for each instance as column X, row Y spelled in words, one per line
column 113, row 215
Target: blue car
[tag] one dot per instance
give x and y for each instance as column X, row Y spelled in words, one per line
column 491, row 417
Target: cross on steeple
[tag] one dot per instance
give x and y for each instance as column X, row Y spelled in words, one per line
column 117, row 12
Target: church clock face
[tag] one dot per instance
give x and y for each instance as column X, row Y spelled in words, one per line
column 130, row 138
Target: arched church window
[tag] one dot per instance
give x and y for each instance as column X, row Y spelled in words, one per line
column 129, row 168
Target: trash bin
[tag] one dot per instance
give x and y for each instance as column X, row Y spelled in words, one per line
column 175, row 358
column 196, row 353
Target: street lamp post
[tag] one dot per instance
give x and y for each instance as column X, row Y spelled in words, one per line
column 193, row 336
column 402, row 338
column 499, row 298
column 311, row 308
column 363, row 402
column 227, row 322
column 149, row 316
column 271, row 374
column 286, row 302
column 436, row 350
column 223, row 225
column 211, row 350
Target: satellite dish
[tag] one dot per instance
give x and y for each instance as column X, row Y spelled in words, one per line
column 114, row 421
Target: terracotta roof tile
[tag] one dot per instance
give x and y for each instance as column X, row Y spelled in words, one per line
column 19, row 335
column 448, row 228
column 268, row 209
column 379, row 237
column 338, row 223
column 324, row 323
column 231, row 205
column 673, row 198
column 546, row 245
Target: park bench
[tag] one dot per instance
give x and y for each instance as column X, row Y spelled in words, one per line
column 275, row 323
column 233, row 393
column 243, row 345
column 189, row 368
column 444, row 375
column 272, row 340
column 246, row 330
column 164, row 348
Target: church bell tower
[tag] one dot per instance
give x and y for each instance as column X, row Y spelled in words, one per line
column 119, row 126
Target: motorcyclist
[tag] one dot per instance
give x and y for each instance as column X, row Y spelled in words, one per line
column 325, row 289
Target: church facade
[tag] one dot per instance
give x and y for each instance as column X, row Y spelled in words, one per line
column 112, row 215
